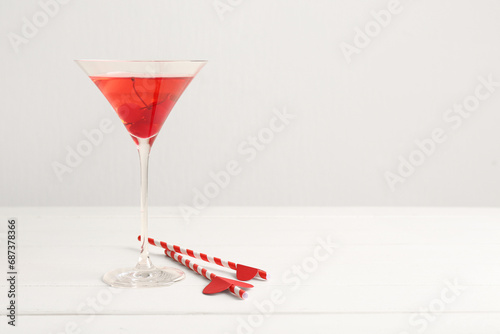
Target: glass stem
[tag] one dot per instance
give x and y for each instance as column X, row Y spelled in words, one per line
column 144, row 148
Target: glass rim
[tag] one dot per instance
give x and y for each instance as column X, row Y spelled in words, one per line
column 141, row 61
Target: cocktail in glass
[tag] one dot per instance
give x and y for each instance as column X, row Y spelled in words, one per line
column 142, row 93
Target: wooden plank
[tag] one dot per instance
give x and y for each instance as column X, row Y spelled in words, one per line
column 482, row 323
column 185, row 298
column 387, row 266
column 350, row 265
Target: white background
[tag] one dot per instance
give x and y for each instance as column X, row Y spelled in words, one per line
column 353, row 120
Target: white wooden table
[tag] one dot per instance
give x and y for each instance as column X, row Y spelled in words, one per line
column 390, row 271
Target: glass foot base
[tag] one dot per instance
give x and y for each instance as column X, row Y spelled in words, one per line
column 143, row 278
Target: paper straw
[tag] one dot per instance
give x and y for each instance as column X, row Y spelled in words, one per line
column 237, row 291
column 212, row 259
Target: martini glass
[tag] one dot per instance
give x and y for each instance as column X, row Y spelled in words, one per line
column 142, row 93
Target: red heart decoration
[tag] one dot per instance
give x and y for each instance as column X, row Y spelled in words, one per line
column 237, row 283
column 245, row 273
column 219, row 284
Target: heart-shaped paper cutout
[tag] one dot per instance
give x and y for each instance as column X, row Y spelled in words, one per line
column 219, row 284
column 245, row 273
column 237, row 283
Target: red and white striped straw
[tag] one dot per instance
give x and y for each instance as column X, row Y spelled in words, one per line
column 237, row 291
column 212, row 259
